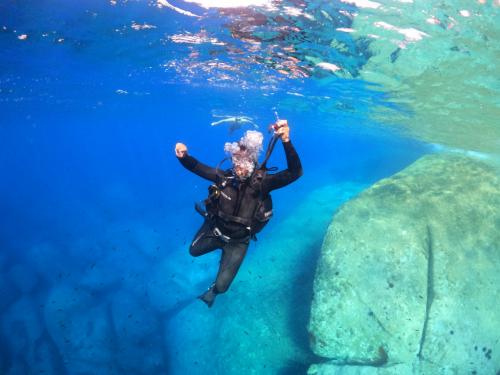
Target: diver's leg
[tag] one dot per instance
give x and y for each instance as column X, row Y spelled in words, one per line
column 232, row 257
column 204, row 241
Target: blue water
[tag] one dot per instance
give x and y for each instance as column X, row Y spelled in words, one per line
column 98, row 214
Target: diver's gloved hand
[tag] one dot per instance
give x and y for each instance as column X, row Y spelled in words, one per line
column 283, row 130
column 180, row 150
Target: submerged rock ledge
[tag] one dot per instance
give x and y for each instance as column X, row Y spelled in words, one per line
column 407, row 281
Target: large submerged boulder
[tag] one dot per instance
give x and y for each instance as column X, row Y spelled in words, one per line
column 408, row 277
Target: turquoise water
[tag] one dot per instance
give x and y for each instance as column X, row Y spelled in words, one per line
column 96, row 277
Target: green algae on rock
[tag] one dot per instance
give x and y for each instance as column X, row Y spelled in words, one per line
column 408, row 273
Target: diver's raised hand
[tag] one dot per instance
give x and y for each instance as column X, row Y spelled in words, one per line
column 180, row 150
column 283, row 130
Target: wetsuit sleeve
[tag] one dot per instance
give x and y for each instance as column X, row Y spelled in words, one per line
column 200, row 169
column 283, row 178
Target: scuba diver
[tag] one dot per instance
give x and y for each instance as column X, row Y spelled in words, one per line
column 239, row 204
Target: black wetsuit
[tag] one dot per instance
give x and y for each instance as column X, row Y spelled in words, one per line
column 239, row 200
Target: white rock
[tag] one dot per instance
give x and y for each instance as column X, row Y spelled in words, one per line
column 409, row 272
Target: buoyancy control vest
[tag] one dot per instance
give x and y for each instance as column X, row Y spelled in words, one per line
column 244, row 203
column 240, row 202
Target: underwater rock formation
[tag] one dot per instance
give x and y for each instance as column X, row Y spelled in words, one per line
column 408, row 275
